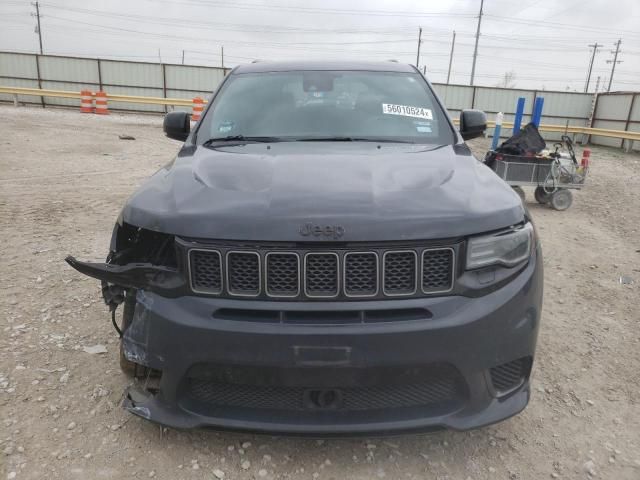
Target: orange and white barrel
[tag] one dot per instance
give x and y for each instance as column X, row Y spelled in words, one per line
column 101, row 103
column 198, row 107
column 86, row 101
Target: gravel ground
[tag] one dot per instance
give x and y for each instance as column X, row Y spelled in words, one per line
column 64, row 179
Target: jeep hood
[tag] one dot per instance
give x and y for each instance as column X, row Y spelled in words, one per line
column 375, row 192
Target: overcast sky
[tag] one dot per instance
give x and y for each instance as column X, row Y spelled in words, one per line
column 543, row 42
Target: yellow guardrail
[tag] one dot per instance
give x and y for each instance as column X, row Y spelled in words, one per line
column 603, row 132
column 182, row 102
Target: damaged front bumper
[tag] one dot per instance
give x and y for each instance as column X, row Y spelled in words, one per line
column 247, row 374
column 154, row 278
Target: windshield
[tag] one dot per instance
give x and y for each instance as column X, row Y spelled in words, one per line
column 341, row 105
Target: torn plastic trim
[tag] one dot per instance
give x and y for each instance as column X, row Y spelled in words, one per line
column 144, row 403
column 165, row 281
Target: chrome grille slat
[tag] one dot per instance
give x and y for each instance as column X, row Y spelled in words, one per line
column 317, row 274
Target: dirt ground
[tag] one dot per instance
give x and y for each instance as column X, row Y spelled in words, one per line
column 63, row 179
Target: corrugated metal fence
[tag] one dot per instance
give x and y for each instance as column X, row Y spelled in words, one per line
column 618, row 111
column 116, row 77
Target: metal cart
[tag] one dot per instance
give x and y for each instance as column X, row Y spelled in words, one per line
column 553, row 175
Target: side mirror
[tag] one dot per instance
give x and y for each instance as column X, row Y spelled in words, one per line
column 177, row 125
column 473, row 123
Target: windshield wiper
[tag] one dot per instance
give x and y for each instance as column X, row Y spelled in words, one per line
column 241, row 139
column 350, row 139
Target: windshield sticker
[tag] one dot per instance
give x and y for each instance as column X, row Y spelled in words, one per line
column 225, row 127
column 422, row 127
column 407, row 111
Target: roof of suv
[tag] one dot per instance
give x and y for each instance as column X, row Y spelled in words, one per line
column 261, row 67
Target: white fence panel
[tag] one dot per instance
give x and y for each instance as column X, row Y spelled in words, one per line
column 455, row 97
column 69, row 69
column 18, row 65
column 566, row 104
column 613, row 107
column 130, row 74
column 501, row 100
column 185, row 77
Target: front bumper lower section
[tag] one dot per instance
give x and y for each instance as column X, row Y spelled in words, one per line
column 446, row 370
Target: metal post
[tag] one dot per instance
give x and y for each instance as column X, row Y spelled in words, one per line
column 537, row 111
column 475, row 49
column 517, row 121
column 614, row 62
column 164, row 85
column 453, row 44
column 592, row 117
column 629, row 143
column 99, row 75
column 419, row 42
column 496, row 131
column 595, row 47
column 39, row 77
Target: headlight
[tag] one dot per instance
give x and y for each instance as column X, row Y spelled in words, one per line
column 505, row 248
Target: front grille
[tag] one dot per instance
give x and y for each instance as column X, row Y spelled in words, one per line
column 510, row 375
column 321, row 275
column 243, row 272
column 314, row 273
column 442, row 385
column 400, row 273
column 283, row 274
column 436, row 270
column 360, row 274
column 206, row 271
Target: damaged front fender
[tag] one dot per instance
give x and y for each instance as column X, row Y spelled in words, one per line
column 162, row 280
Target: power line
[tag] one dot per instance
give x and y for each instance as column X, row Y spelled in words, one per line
column 556, row 25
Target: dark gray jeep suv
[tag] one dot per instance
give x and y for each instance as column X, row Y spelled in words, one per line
column 324, row 256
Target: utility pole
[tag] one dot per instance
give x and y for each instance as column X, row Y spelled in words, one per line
column 475, row 49
column 614, row 62
column 595, row 47
column 39, row 30
column 597, row 83
column 419, row 42
column 222, row 55
column 453, row 44
column 159, row 56
column 182, row 57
